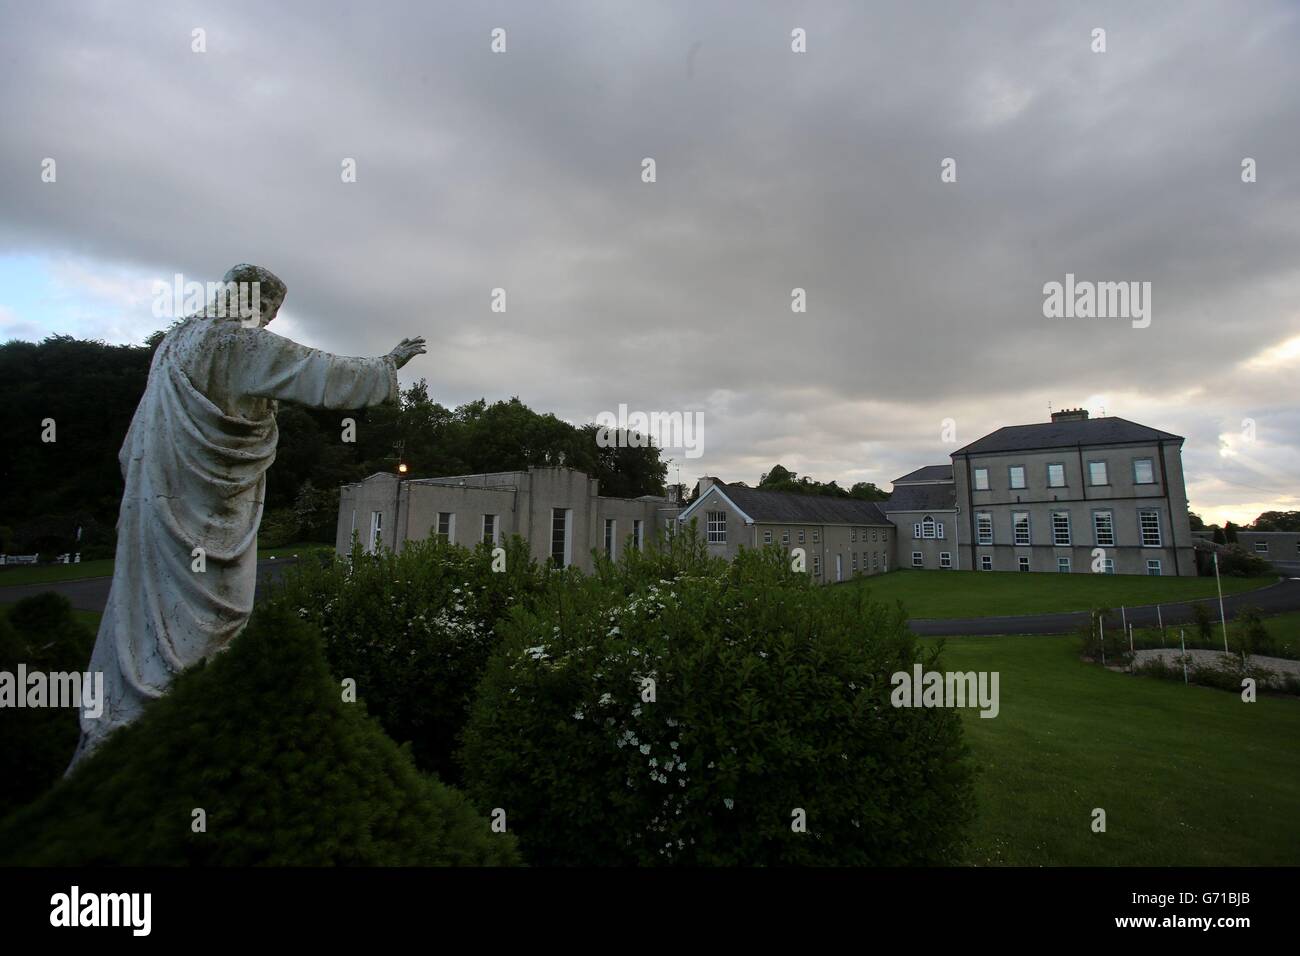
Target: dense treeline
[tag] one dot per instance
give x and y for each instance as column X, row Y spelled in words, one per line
column 781, row 478
column 89, row 391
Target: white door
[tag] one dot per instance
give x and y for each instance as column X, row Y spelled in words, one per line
column 839, row 567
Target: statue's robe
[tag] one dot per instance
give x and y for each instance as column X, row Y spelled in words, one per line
column 195, row 461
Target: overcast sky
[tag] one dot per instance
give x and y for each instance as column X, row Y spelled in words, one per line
column 774, row 170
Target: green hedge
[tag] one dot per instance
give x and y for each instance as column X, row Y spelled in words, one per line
column 770, row 694
column 37, row 743
column 287, row 773
column 414, row 630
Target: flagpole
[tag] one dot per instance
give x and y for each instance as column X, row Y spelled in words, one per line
column 1222, row 617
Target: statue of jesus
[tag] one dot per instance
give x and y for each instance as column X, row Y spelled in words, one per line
column 195, row 461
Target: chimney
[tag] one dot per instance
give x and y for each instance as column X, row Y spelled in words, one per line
column 1070, row 415
column 704, row 485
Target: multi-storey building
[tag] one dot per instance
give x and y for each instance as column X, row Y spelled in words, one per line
column 1076, row 495
column 1061, row 495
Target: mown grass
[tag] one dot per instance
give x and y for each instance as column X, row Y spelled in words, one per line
column 53, row 573
column 954, row 594
column 1187, row 775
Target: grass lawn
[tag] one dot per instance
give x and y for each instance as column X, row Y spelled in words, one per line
column 1187, row 775
column 47, row 573
column 951, row 594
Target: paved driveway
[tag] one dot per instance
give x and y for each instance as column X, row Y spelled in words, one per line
column 91, row 594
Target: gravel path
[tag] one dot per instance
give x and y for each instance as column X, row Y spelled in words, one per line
column 1278, row 664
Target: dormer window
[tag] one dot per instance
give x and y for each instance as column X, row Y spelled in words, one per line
column 927, row 526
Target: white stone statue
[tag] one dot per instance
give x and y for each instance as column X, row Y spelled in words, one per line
column 195, row 461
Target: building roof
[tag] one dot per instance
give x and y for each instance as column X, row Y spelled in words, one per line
column 927, row 473
column 786, row 507
column 921, row 498
column 1060, row 434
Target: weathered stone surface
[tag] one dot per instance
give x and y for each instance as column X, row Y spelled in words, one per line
column 195, row 461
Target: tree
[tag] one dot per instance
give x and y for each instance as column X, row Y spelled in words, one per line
column 1277, row 521
column 1195, row 521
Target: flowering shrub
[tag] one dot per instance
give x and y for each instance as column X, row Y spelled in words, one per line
column 627, row 719
column 414, row 630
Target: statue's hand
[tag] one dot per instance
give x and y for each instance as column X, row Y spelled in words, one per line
column 406, row 350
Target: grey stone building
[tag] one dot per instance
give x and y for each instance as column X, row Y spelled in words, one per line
column 559, row 511
column 1281, row 548
column 924, row 509
column 1054, row 496
column 1044, row 497
column 841, row 537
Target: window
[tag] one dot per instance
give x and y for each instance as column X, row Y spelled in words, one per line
column 918, row 560
column 559, row 537
column 1097, row 473
column 1143, row 473
column 1261, row 547
column 801, row 535
column 638, row 534
column 1149, row 525
column 817, row 565
column 945, row 559
column 1016, row 474
column 916, row 531
column 1020, row 527
column 875, row 560
column 853, row 535
column 1061, row 528
column 489, row 529
column 981, row 479
column 1103, row 528
column 767, row 537
column 983, row 527
column 986, row 562
column 1107, row 565
column 376, row 529
column 785, row 536
column 939, row 531
column 611, row 533
column 1153, row 568
column 717, row 527
column 1063, row 565
column 817, row 535
column 927, row 527
column 1024, row 563
column 1056, row 476
column 873, row 534
column 855, row 562
column 446, row 525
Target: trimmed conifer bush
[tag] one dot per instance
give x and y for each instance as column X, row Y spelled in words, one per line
column 285, row 772
column 36, row 743
column 692, row 719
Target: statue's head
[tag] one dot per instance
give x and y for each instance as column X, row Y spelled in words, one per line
column 258, row 285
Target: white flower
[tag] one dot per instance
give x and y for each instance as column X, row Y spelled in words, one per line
column 577, row 715
column 728, row 802
column 606, row 699
column 673, row 745
column 645, row 748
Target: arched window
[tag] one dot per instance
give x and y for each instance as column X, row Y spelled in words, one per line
column 927, row 526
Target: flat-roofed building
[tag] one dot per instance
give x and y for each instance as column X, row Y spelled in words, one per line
column 559, row 511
